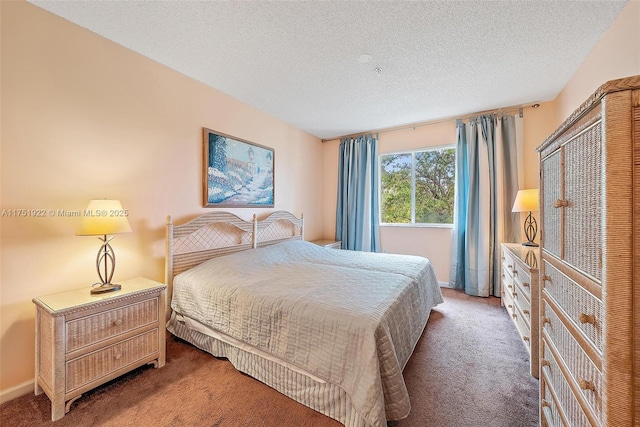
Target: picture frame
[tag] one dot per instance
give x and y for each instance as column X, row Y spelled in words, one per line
column 237, row 173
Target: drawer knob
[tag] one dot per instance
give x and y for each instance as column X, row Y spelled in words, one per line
column 526, row 338
column 525, row 284
column 546, row 278
column 544, row 362
column 510, row 286
column 117, row 322
column 546, row 320
column 515, row 295
column 515, row 272
column 560, row 203
column 586, row 385
column 587, row 318
column 510, row 306
column 510, row 267
column 526, row 312
column 514, row 315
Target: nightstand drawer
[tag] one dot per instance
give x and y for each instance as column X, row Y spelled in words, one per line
column 93, row 366
column 91, row 329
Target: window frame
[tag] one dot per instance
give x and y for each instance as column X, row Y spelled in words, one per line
column 413, row 153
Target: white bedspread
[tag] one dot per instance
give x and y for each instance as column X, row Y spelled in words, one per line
column 350, row 318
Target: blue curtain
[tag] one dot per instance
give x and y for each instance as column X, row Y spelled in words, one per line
column 358, row 206
column 486, row 185
column 458, row 257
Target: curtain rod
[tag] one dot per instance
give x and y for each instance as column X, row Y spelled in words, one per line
column 518, row 108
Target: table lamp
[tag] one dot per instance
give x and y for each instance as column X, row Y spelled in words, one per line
column 527, row 201
column 104, row 218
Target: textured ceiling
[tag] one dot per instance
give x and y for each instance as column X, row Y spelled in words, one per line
column 297, row 60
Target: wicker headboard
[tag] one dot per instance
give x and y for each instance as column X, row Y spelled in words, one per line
column 278, row 227
column 221, row 233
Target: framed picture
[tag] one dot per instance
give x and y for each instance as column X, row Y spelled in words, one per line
column 237, row 173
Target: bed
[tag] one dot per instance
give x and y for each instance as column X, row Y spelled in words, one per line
column 331, row 329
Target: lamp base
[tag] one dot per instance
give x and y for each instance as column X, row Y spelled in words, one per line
column 105, row 287
column 530, row 231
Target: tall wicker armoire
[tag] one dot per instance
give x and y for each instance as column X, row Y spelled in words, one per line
column 590, row 268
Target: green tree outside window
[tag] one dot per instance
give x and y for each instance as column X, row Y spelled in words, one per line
column 419, row 183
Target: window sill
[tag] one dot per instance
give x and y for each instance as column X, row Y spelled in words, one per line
column 404, row 225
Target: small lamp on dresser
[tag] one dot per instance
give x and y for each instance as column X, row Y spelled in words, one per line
column 104, row 218
column 527, row 201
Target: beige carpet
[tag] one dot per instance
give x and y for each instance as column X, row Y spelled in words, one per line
column 468, row 369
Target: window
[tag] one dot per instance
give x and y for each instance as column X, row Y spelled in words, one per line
column 417, row 187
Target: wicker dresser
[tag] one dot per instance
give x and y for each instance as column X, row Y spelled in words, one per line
column 84, row 340
column 590, row 250
column 520, row 294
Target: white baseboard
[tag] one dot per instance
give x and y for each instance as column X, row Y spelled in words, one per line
column 16, row 391
column 445, row 285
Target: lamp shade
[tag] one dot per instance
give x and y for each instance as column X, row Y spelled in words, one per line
column 526, row 201
column 103, row 217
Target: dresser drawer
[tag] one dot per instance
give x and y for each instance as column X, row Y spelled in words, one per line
column 507, row 264
column 523, row 280
column 507, row 283
column 520, row 299
column 576, row 416
column 507, row 295
column 93, row 366
column 91, row 329
column 549, row 412
column 517, row 272
column 523, row 326
column 582, row 307
column 580, row 366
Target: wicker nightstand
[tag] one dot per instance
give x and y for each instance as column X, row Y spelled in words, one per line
column 85, row 340
column 335, row 244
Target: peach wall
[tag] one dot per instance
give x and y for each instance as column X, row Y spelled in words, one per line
column 83, row 118
column 539, row 123
column 615, row 56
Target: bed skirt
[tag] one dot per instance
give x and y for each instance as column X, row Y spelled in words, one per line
column 326, row 398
